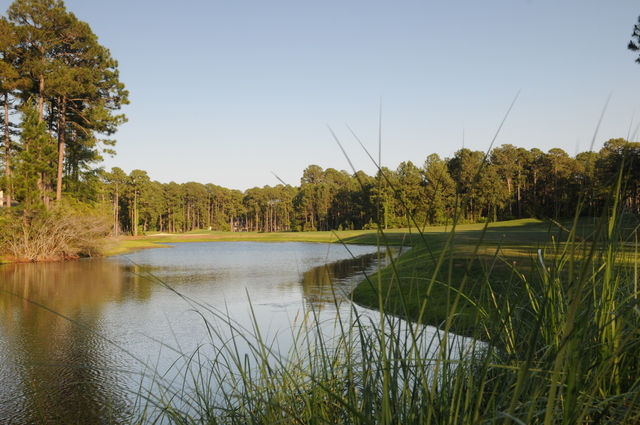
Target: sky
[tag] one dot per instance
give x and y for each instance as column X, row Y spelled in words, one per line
column 238, row 92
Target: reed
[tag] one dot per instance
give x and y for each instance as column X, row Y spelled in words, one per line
column 557, row 343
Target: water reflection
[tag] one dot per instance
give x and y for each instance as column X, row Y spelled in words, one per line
column 332, row 283
column 72, row 334
column 55, row 369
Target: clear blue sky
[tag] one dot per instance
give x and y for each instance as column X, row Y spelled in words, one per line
column 229, row 92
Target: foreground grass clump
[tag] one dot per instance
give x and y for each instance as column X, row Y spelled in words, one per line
column 554, row 327
column 355, row 369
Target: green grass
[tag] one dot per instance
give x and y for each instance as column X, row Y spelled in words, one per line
column 393, row 237
column 480, row 255
column 122, row 246
column 558, row 336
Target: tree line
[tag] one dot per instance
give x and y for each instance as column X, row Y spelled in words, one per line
column 506, row 183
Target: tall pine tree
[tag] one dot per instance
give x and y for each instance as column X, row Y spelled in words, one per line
column 74, row 80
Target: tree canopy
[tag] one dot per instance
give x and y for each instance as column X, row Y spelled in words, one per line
column 56, row 79
column 506, row 183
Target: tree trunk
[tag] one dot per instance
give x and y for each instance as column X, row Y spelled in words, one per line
column 535, row 196
column 519, row 195
column 510, row 197
column 41, row 96
column 62, row 121
column 7, row 152
column 135, row 212
column 115, row 211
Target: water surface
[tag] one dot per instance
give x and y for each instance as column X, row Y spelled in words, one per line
column 75, row 336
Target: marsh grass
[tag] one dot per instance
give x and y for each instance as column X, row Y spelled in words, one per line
column 331, row 373
column 67, row 231
column 553, row 333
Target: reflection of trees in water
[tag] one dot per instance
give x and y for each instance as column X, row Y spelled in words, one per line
column 61, row 372
column 70, row 375
column 67, row 286
column 334, row 282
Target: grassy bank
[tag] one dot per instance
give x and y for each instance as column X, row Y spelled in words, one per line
column 456, row 274
column 466, row 266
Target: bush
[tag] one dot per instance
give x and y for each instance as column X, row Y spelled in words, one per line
column 64, row 232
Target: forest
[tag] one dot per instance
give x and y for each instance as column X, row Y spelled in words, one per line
column 506, row 183
column 60, row 101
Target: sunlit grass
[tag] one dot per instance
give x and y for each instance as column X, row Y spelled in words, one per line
column 122, row 246
column 523, row 233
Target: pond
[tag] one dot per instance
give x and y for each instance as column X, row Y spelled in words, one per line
column 78, row 339
column 73, row 334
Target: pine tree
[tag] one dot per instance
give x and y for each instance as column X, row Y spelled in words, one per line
column 439, row 190
column 138, row 181
column 116, row 181
column 10, row 82
column 74, row 79
column 35, row 168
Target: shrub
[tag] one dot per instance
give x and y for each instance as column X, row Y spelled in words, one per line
column 63, row 232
